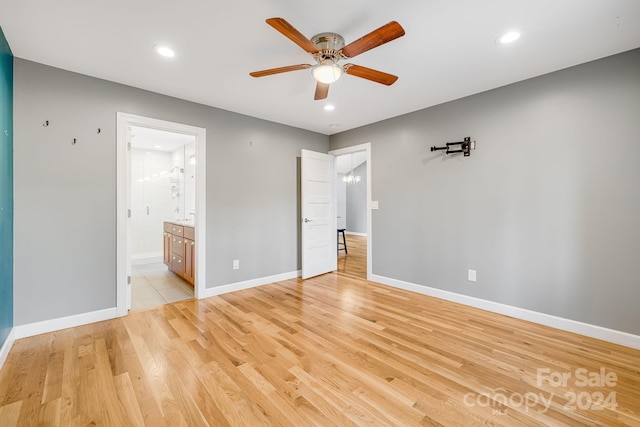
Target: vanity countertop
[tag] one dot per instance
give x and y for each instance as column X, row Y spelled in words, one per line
column 183, row 222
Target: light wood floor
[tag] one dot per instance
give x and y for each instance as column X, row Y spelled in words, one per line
column 354, row 262
column 333, row 350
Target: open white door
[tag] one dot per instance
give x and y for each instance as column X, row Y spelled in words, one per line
column 319, row 232
column 128, row 219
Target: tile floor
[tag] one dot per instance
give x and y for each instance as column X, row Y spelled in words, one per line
column 153, row 285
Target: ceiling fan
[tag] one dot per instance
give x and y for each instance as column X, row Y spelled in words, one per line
column 328, row 50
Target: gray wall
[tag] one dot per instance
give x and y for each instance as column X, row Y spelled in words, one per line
column 546, row 209
column 357, row 202
column 65, row 195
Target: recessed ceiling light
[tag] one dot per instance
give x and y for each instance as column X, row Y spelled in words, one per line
column 164, row 51
column 329, row 107
column 508, row 37
column 157, row 146
column 334, row 126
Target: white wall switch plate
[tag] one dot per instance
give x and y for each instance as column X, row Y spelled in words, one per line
column 471, row 275
column 236, row 264
column 374, row 204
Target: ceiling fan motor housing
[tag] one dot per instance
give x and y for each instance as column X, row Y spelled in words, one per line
column 329, row 45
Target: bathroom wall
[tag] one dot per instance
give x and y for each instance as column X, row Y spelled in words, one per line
column 183, row 182
column 177, row 183
column 189, row 180
column 150, row 203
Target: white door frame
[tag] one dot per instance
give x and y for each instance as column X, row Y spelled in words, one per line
column 353, row 149
column 123, row 121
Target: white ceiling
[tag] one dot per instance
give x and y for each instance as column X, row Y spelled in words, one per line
column 448, row 51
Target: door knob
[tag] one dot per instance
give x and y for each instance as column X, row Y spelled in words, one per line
column 307, row 220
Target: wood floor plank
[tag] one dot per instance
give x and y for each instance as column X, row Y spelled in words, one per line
column 325, row 401
column 236, row 406
column 332, row 350
column 49, row 413
column 128, row 400
column 53, row 378
column 10, row 413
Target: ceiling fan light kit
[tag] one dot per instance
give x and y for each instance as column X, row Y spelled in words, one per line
column 328, row 49
column 327, row 69
column 327, row 72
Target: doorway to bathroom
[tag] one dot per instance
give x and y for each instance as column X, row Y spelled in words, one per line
column 161, row 208
column 163, row 185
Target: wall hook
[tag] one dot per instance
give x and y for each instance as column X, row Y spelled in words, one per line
column 99, row 131
column 45, row 124
column 74, row 141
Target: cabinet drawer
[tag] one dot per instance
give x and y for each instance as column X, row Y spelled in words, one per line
column 167, row 227
column 177, row 245
column 177, row 264
column 189, row 233
column 178, row 230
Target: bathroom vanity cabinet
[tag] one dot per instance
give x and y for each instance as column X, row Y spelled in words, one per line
column 180, row 249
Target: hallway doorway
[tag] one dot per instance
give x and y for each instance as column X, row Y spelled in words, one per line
column 353, row 209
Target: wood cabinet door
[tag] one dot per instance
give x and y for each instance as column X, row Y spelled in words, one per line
column 166, row 255
column 177, row 264
column 177, row 245
column 189, row 260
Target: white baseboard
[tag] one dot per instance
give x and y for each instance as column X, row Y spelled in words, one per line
column 6, row 347
column 354, row 233
column 37, row 328
column 593, row 331
column 238, row 286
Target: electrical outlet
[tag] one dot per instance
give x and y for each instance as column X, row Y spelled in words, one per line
column 236, row 264
column 471, row 275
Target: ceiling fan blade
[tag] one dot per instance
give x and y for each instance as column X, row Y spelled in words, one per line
column 382, row 35
column 322, row 91
column 279, row 70
column 292, row 34
column 370, row 74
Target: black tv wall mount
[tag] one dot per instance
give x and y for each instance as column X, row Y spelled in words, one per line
column 465, row 147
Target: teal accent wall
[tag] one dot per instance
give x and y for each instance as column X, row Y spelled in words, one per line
column 6, row 189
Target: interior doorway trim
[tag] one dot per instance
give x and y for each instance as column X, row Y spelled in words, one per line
column 123, row 121
column 353, row 149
